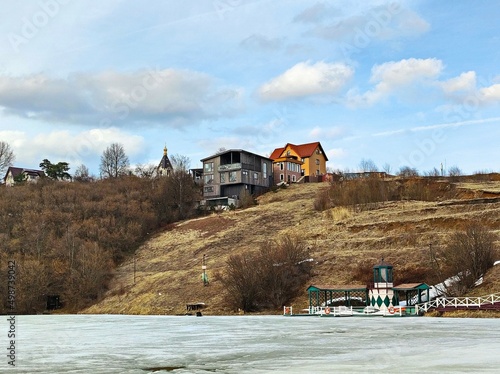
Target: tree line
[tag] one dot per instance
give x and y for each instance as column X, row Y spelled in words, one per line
column 67, row 238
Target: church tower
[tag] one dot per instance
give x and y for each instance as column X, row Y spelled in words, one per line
column 165, row 167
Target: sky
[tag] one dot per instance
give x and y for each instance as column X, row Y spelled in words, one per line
column 399, row 83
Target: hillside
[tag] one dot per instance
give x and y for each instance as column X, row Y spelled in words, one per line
column 344, row 245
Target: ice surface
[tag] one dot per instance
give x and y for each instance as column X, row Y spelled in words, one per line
column 252, row 344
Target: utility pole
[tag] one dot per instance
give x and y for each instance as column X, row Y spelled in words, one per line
column 135, row 266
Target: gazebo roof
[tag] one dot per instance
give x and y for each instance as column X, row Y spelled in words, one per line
column 338, row 287
column 411, row 286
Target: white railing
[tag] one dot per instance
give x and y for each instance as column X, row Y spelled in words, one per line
column 460, row 302
column 331, row 310
column 337, row 311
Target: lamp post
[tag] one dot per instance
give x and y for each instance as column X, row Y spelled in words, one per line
column 204, row 269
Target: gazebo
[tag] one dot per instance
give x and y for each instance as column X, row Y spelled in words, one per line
column 335, row 295
column 412, row 292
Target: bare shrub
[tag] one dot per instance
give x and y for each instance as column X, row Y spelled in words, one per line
column 359, row 193
column 247, row 200
column 407, row 171
column 466, row 257
column 322, row 201
column 285, row 267
column 267, row 278
column 241, row 282
column 454, row 171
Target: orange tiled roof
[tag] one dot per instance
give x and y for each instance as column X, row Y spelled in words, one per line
column 276, row 153
column 303, row 150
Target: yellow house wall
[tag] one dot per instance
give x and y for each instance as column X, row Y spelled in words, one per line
column 309, row 165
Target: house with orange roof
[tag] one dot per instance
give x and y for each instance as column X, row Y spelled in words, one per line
column 299, row 162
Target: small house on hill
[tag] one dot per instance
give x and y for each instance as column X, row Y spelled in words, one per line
column 15, row 174
column 304, row 162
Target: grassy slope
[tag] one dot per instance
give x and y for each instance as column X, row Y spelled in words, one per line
column 344, row 245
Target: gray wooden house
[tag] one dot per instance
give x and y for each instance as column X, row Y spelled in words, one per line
column 231, row 173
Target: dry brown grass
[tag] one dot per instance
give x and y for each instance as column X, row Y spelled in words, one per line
column 168, row 268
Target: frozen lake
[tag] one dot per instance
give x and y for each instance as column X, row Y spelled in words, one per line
column 251, row 344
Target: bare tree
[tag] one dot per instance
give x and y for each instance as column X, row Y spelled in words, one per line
column 432, row 173
column 114, row 161
column 82, row 174
column 407, row 171
column 180, row 163
column 468, row 255
column 145, row 170
column 367, row 166
column 387, row 168
column 6, row 156
column 269, row 277
column 182, row 191
column 454, row 171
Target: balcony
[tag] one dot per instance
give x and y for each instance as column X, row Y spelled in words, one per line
column 228, row 167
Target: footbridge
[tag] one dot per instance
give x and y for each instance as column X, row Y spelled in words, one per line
column 446, row 304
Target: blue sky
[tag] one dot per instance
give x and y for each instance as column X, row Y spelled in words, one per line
column 413, row 83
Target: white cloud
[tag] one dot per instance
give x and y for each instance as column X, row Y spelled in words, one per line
column 325, row 133
column 464, row 92
column 14, row 138
column 306, row 79
column 63, row 145
column 404, row 72
column 395, row 76
column 490, row 94
column 211, row 146
column 464, row 82
column 167, row 96
column 410, row 23
column 335, row 153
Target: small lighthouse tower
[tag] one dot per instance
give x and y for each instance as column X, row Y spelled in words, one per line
column 382, row 293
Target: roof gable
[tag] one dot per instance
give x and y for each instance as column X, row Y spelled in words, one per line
column 276, row 153
column 302, row 150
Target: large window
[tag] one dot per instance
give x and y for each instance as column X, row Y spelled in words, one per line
column 208, row 167
column 208, row 178
column 223, row 177
column 209, row 189
column 232, row 176
column 264, row 170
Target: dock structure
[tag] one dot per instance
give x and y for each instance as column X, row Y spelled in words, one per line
column 195, row 307
column 447, row 304
column 380, row 298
